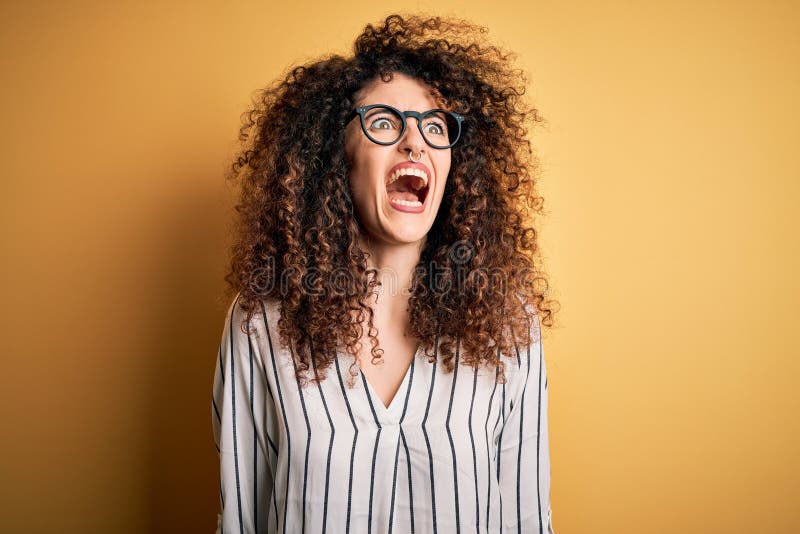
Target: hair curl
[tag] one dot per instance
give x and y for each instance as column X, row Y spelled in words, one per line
column 296, row 232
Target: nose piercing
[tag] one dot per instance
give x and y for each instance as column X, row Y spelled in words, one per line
column 411, row 156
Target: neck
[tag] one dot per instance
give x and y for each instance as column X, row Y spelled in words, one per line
column 395, row 264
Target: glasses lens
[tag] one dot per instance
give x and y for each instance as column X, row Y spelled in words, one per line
column 440, row 128
column 383, row 125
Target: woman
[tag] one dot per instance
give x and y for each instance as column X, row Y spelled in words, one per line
column 383, row 204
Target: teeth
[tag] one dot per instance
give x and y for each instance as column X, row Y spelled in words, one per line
column 415, row 203
column 414, row 172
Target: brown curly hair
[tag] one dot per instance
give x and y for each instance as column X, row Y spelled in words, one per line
column 295, row 235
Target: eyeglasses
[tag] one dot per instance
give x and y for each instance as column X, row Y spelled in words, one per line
column 385, row 125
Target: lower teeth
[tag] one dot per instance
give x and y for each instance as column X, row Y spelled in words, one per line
column 415, row 203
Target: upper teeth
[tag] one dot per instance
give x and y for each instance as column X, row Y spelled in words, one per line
column 404, row 171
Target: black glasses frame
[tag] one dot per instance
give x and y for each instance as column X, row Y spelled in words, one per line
column 361, row 111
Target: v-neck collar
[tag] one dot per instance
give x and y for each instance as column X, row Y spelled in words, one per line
column 390, row 414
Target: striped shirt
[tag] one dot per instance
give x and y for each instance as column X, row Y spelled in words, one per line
column 453, row 452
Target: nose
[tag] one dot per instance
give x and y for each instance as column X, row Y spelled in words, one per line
column 412, row 139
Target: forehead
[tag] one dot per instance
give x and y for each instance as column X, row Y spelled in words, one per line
column 402, row 92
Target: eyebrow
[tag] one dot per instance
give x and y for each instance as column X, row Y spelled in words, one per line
column 396, row 107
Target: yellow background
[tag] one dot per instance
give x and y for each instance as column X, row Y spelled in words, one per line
column 671, row 181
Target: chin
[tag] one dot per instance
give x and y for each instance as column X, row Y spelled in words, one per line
column 410, row 236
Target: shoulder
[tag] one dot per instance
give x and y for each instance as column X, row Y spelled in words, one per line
column 256, row 315
column 532, row 314
column 533, row 329
column 526, row 352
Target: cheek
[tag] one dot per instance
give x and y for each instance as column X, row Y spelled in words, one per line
column 361, row 175
column 367, row 164
column 354, row 152
column 355, row 165
column 350, row 148
column 443, row 167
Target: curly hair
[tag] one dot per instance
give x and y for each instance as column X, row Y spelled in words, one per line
column 295, row 234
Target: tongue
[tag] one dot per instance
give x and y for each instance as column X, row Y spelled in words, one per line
column 402, row 195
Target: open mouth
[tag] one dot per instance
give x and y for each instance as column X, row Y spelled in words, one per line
column 408, row 189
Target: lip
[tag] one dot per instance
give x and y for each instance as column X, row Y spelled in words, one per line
column 411, row 165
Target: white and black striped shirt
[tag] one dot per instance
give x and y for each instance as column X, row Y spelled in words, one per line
column 452, row 453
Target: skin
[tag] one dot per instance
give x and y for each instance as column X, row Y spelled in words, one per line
column 394, row 239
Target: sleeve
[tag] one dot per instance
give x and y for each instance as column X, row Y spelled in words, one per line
column 524, row 470
column 239, row 421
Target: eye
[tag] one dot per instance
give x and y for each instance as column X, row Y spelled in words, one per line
column 383, row 123
column 435, row 127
